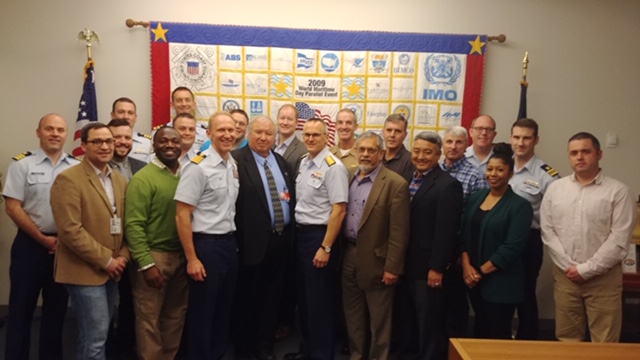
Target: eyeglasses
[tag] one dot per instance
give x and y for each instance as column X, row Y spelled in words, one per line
column 482, row 129
column 99, row 142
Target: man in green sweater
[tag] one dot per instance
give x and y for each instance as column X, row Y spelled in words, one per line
column 159, row 282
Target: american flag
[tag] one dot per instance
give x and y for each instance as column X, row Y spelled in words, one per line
column 193, row 67
column 306, row 112
column 88, row 108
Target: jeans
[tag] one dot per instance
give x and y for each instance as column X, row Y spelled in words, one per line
column 93, row 307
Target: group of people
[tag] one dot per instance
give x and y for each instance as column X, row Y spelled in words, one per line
column 214, row 234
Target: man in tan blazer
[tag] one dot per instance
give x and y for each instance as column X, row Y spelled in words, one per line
column 376, row 232
column 87, row 201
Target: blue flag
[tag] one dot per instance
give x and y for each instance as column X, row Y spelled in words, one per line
column 88, row 106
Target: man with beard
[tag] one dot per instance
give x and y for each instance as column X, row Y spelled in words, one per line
column 125, row 109
column 375, row 248
column 122, row 162
column 158, row 277
column 121, row 334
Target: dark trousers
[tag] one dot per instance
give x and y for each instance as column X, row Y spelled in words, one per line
column 30, row 272
column 257, row 298
column 528, row 309
column 492, row 320
column 210, row 300
column 430, row 314
column 457, row 304
column 317, row 294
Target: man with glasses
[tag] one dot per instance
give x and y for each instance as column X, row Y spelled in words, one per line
column 322, row 195
column 26, row 193
column 88, row 203
column 378, row 219
column 483, row 131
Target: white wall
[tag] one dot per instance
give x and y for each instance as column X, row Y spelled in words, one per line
column 583, row 71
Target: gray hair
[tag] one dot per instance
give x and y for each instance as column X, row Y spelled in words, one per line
column 257, row 118
column 429, row 136
column 371, row 135
column 458, row 131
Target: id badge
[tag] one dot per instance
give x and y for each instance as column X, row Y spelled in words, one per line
column 115, row 223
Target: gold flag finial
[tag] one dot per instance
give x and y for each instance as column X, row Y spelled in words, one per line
column 89, row 36
column 525, row 64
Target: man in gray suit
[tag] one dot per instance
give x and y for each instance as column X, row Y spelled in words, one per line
column 288, row 144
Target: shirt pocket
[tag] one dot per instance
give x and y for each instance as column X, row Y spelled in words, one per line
column 35, row 178
column 314, row 182
column 218, row 183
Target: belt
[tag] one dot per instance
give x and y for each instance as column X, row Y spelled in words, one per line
column 204, row 236
column 303, row 227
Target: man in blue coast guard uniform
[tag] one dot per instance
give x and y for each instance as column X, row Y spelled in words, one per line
column 322, row 193
column 205, row 211
column 29, row 180
column 125, row 109
column 530, row 180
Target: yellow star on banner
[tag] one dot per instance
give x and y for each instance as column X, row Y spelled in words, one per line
column 353, row 89
column 476, row 46
column 160, row 33
column 281, row 87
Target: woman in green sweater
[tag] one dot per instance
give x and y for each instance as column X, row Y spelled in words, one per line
column 495, row 228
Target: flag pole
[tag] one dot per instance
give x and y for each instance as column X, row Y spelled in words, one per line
column 522, row 110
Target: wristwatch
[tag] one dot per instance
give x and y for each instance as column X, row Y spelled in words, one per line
column 326, row 249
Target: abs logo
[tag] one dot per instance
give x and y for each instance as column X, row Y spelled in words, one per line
column 330, row 62
column 231, row 57
column 305, row 62
column 442, row 69
column 256, row 107
column 230, row 105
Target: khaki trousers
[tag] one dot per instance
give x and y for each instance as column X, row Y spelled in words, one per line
column 160, row 313
column 597, row 302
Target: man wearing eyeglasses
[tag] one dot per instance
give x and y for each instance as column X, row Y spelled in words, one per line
column 322, row 193
column 88, row 203
column 483, row 131
column 26, row 193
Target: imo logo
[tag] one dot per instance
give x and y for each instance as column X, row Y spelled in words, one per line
column 330, row 62
column 442, row 69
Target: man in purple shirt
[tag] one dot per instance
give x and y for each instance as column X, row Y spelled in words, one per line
column 375, row 193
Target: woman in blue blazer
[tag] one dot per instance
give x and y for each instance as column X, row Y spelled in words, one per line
column 495, row 228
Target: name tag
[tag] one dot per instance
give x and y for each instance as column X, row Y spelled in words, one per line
column 115, row 223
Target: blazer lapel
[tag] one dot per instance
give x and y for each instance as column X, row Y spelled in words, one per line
column 254, row 175
column 94, row 180
column 376, row 189
column 427, row 183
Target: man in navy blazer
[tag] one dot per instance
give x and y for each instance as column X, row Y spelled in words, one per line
column 436, row 210
column 264, row 242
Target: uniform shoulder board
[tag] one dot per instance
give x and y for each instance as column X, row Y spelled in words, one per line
column 551, row 171
column 198, row 158
column 157, row 127
column 73, row 157
column 22, row 156
column 144, row 135
column 330, row 161
column 304, row 156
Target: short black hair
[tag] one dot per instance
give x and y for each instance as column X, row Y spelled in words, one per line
column 122, row 99
column 585, row 135
column 118, row 123
column 94, row 125
column 182, row 88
